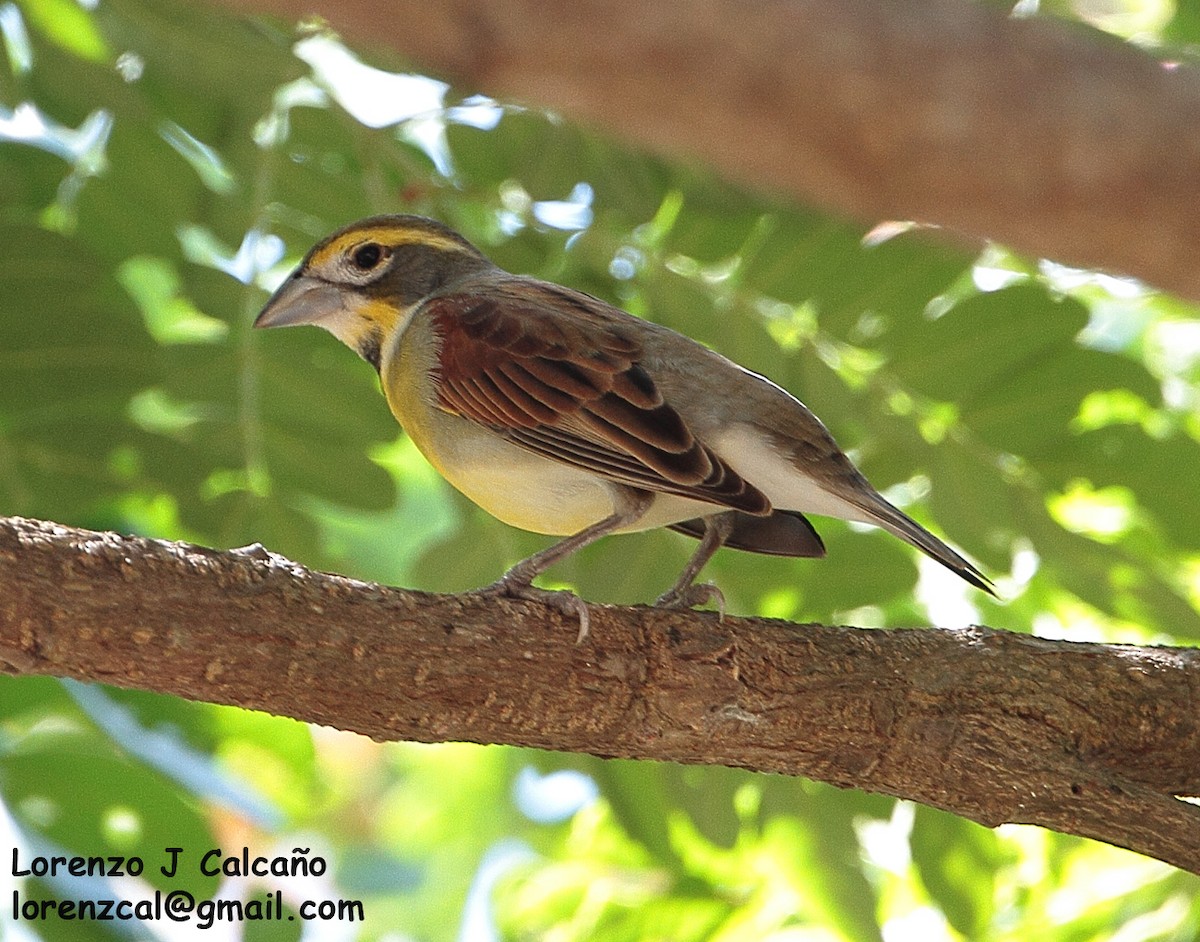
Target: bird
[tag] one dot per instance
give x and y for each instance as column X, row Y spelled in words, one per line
column 564, row 415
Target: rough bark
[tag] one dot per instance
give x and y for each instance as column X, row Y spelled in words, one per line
column 1086, row 739
column 1056, row 140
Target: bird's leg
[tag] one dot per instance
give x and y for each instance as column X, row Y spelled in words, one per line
column 517, row 583
column 685, row 594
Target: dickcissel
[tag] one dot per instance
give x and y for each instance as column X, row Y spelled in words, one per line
column 561, row 414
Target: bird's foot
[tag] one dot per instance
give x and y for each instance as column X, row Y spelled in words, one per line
column 568, row 603
column 689, row 596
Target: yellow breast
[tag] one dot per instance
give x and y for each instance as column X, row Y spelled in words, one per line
column 521, row 488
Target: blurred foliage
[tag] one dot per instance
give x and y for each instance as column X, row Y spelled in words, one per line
column 162, row 166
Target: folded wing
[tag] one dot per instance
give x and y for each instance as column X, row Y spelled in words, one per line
column 553, row 371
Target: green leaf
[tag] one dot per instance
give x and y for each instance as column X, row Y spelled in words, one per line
column 1050, row 390
column 984, row 340
column 91, row 802
column 812, row 827
column 1152, row 467
column 285, row 926
column 67, row 24
column 983, row 514
column 1184, row 26
column 74, row 356
column 707, row 795
column 810, row 258
column 637, row 792
column 957, row 862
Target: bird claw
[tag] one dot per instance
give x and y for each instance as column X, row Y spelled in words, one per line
column 568, row 603
column 692, row 595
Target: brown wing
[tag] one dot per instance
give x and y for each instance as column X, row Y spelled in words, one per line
column 557, row 373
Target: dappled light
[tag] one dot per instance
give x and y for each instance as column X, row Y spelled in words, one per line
column 163, row 167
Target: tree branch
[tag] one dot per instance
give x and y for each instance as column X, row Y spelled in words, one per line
column 1086, row 739
column 1053, row 139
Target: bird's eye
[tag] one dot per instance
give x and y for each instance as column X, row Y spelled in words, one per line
column 367, row 256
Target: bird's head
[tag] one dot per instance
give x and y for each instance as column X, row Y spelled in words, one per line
column 365, row 280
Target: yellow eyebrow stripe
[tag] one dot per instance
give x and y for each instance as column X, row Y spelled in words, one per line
column 385, row 235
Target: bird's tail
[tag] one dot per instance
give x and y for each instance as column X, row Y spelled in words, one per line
column 898, row 523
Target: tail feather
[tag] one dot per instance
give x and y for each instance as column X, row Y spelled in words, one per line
column 899, row 524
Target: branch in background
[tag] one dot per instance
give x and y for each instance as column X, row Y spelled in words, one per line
column 1086, row 739
column 1053, row 139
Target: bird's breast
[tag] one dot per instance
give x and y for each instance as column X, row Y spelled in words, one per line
column 521, row 488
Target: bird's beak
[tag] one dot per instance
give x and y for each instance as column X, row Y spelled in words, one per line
column 300, row 300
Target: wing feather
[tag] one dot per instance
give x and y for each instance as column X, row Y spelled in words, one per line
column 557, row 372
column 555, row 401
